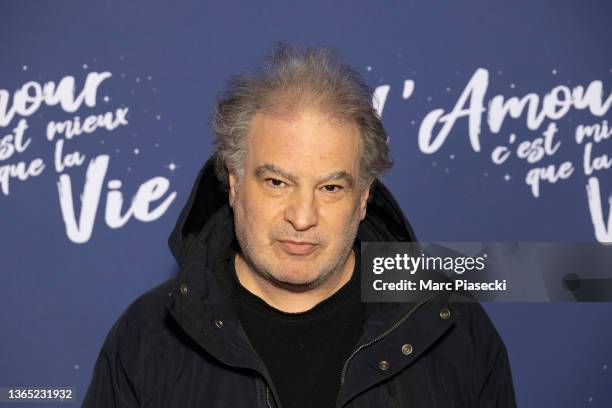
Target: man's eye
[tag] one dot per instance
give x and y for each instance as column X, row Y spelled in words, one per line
column 275, row 183
column 332, row 188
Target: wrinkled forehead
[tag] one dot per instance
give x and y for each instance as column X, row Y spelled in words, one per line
column 307, row 143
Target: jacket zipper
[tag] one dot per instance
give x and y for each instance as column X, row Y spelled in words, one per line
column 268, row 396
column 378, row 338
column 368, row 344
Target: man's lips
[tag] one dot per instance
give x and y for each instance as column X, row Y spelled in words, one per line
column 297, row 247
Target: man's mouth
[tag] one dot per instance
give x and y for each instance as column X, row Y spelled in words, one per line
column 297, row 247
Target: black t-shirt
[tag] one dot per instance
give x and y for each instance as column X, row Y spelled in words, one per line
column 304, row 352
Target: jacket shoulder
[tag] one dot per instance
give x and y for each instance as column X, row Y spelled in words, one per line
column 491, row 371
column 149, row 308
column 118, row 371
column 472, row 316
column 139, row 327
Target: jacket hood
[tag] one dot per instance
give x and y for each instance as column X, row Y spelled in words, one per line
column 201, row 295
column 384, row 220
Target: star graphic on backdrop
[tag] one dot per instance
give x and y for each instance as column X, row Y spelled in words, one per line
column 507, row 177
column 172, row 166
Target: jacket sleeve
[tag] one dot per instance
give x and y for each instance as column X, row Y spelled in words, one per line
column 492, row 373
column 112, row 385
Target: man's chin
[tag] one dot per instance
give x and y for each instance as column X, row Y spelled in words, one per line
column 295, row 282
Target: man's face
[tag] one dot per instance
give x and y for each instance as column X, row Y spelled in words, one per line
column 298, row 205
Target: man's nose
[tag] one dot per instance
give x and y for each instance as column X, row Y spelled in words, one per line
column 302, row 210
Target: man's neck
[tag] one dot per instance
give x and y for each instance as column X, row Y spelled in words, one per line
column 285, row 299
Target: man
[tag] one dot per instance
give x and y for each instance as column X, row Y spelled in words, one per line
column 266, row 310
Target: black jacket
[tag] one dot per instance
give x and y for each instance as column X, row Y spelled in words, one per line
column 181, row 344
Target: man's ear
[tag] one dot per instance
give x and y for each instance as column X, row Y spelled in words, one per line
column 233, row 185
column 363, row 202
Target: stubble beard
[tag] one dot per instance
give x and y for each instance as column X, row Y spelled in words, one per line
column 266, row 270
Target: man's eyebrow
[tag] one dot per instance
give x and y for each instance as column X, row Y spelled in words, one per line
column 338, row 175
column 268, row 167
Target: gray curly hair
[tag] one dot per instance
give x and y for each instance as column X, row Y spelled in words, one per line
column 295, row 79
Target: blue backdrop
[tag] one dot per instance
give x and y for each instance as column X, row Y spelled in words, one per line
column 498, row 121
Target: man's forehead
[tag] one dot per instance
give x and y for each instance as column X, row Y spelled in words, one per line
column 305, row 135
column 307, row 143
